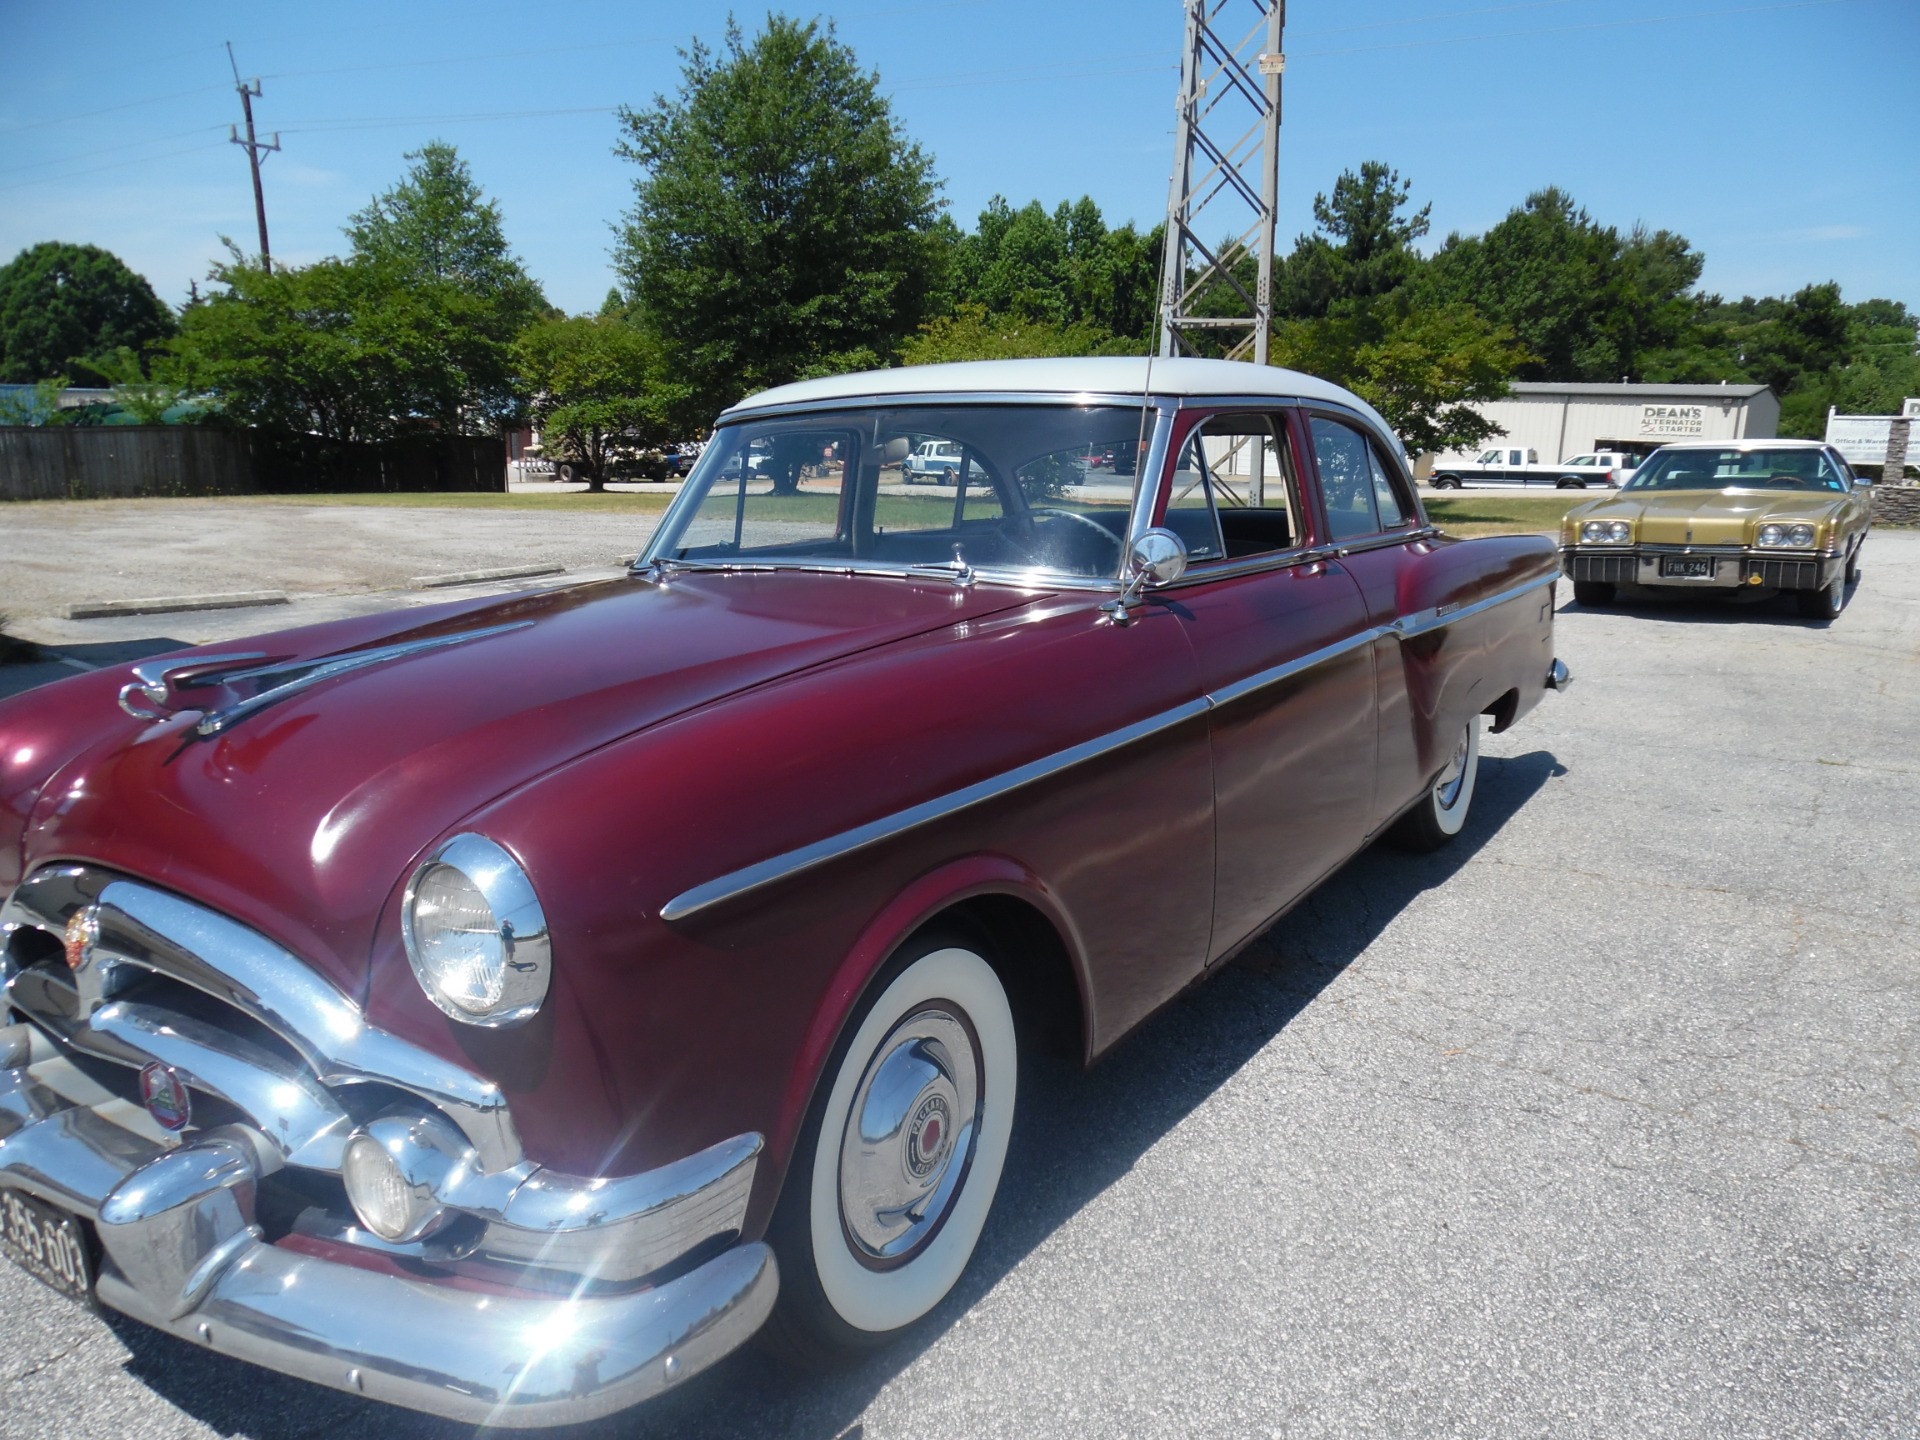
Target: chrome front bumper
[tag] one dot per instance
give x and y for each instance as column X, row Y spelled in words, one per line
column 1732, row 567
column 564, row 1325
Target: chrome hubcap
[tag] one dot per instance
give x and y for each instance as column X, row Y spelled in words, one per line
column 1446, row 789
column 909, row 1137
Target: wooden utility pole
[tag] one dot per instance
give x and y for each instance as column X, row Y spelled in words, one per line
column 256, row 149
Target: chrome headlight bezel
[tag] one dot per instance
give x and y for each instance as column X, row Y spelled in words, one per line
column 525, row 951
column 1786, row 535
column 1606, row 532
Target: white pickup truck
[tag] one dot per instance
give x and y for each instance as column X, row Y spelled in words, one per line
column 1514, row 465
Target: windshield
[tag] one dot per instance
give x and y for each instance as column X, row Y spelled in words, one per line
column 1783, row 469
column 1017, row 488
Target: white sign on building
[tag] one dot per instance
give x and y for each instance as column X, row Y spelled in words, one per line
column 1673, row 422
column 1863, row 438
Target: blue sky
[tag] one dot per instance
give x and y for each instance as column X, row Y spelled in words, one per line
column 1778, row 137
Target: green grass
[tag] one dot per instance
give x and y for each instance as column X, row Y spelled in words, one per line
column 1481, row 514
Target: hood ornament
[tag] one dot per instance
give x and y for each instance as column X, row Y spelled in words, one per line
column 156, row 693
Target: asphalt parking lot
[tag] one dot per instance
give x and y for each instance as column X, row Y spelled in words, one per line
column 1600, row 1123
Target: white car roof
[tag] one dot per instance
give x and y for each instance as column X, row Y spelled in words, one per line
column 1083, row 375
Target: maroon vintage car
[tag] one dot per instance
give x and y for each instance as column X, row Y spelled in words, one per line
column 465, row 1006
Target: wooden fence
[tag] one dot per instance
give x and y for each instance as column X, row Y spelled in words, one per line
column 99, row 462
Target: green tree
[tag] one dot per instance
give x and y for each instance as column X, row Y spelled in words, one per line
column 1062, row 267
column 598, row 384
column 437, row 226
column 1422, row 367
column 437, row 231
column 971, row 333
column 148, row 399
column 783, row 225
column 1362, row 248
column 61, row 304
column 349, row 349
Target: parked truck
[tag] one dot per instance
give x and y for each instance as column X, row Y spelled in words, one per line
column 1519, row 465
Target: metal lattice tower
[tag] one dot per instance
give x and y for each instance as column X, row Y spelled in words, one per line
column 1224, row 175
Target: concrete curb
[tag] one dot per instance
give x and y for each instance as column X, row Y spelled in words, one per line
column 475, row 577
column 102, row 609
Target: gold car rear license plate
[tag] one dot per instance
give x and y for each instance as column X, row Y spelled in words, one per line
column 47, row 1243
column 1686, row 567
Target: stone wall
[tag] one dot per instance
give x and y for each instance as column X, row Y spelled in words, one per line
column 1896, row 504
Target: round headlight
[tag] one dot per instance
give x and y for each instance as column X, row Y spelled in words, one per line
column 1773, row 534
column 1594, row 531
column 1619, row 532
column 475, row 933
column 1800, row 535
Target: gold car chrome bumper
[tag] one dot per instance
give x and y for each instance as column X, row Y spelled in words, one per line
column 1726, row 567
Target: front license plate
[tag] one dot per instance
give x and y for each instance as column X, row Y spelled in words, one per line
column 1687, row 567
column 48, row 1243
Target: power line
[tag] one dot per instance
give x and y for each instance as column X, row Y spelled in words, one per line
column 114, row 165
column 108, row 110
column 1572, row 29
column 120, row 149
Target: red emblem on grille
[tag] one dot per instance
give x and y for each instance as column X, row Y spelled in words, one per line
column 165, row 1097
column 83, row 928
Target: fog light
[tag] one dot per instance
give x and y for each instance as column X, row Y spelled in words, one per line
column 395, row 1171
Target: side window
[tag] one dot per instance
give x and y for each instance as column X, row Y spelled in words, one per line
column 1392, row 512
column 1190, row 506
column 1346, row 479
column 1834, row 475
column 1244, row 466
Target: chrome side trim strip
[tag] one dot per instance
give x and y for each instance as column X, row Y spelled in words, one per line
column 745, row 881
column 1274, row 675
column 809, row 857
column 1423, row 621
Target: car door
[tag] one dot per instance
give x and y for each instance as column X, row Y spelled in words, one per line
column 1279, row 637
column 1373, row 524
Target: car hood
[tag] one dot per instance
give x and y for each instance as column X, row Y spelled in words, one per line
column 302, row 817
column 1708, row 517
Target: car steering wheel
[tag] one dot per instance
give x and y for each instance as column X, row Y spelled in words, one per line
column 1105, row 534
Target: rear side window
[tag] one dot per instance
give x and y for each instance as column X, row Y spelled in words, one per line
column 1361, row 496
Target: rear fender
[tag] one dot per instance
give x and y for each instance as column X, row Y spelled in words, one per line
column 1462, row 660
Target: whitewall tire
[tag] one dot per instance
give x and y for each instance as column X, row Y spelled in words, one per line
column 1441, row 813
column 893, row 1177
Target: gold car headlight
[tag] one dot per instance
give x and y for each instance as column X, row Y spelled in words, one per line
column 1793, row 537
column 1606, row 532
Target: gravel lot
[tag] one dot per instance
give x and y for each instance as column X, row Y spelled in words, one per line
column 1600, row 1123
column 56, row 553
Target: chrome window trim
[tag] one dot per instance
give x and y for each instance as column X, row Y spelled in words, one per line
column 1035, row 580
column 751, row 878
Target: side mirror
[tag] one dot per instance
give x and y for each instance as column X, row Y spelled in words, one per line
column 1158, row 557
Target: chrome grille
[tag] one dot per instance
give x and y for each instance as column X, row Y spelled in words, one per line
column 1606, row 569
column 1787, row 574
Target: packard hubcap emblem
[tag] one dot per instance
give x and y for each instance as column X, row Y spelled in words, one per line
column 926, row 1136
column 165, row 1097
column 83, row 930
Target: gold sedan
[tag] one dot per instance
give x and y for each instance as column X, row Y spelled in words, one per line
column 1723, row 514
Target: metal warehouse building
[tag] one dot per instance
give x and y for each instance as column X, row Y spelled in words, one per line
column 1563, row 420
